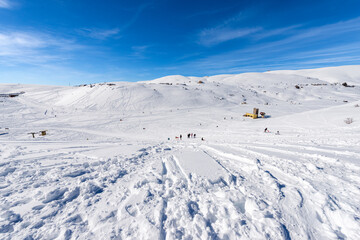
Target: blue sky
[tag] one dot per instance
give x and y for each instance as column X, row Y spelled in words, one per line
column 64, row 42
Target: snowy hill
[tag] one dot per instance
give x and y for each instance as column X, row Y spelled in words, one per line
column 350, row 74
column 112, row 166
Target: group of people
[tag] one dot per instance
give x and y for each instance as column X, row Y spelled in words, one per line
column 189, row 135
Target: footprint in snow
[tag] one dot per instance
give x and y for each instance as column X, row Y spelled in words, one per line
column 131, row 210
column 193, row 208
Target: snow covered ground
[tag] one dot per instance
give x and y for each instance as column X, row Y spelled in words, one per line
column 110, row 166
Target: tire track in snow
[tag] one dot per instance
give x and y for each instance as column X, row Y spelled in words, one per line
column 312, row 155
column 303, row 190
column 334, row 171
column 315, row 150
column 279, row 185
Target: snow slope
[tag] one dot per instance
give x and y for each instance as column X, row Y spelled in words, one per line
column 112, row 165
column 349, row 74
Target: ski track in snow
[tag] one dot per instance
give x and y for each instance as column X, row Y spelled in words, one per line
column 106, row 169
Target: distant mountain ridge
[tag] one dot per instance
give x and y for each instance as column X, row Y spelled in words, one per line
column 293, row 87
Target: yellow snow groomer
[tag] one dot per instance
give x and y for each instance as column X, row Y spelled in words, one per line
column 253, row 115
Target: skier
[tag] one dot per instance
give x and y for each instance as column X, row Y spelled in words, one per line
column 188, row 135
column 180, row 137
column 266, row 130
column 194, row 135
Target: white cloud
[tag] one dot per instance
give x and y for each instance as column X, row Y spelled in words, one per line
column 317, row 35
column 336, row 43
column 32, row 47
column 103, row 34
column 276, row 32
column 5, row 4
column 214, row 36
column 15, row 44
column 227, row 30
column 19, row 40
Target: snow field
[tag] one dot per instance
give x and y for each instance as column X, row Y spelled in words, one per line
column 111, row 168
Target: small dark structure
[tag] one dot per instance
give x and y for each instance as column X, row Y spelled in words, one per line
column 42, row 133
column 33, row 134
column 347, row 85
column 11, row 95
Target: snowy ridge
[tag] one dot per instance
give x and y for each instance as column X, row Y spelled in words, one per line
column 112, row 165
column 350, row 74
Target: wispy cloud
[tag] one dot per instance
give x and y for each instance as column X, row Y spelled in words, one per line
column 332, row 43
column 14, row 40
column 317, row 35
column 101, row 34
column 226, row 30
column 5, row 4
column 276, row 32
column 104, row 34
column 214, row 36
column 30, row 47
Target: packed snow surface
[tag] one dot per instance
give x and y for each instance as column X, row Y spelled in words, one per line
column 112, row 164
